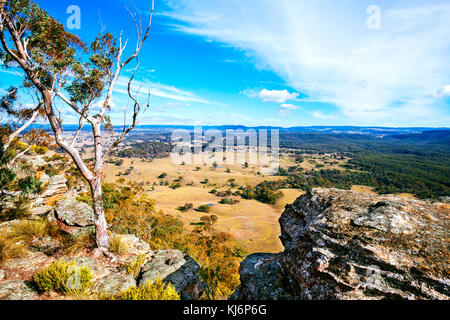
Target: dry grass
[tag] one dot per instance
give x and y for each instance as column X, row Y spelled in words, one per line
column 117, row 245
column 80, row 242
column 254, row 225
column 26, row 231
column 10, row 250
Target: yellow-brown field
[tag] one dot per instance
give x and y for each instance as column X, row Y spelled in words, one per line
column 254, row 225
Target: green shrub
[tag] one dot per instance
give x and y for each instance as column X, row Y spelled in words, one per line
column 64, row 277
column 29, row 185
column 156, row 291
column 204, row 208
column 186, row 207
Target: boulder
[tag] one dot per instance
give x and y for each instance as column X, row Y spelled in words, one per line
column 135, row 246
column 177, row 268
column 57, row 186
column 115, row 283
column 346, row 245
column 74, row 213
column 261, row 277
column 17, row 290
column 41, row 211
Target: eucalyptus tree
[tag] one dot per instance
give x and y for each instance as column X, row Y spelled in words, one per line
column 66, row 71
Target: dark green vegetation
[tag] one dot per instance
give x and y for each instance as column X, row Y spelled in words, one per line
column 145, row 150
column 410, row 163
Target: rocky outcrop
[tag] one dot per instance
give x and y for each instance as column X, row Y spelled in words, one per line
column 17, row 290
column 115, row 283
column 74, row 213
column 348, row 245
column 57, row 186
column 261, row 278
column 177, row 268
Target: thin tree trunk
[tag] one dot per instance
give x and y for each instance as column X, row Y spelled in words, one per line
column 101, row 233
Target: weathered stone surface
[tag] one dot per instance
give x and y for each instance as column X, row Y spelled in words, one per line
column 17, row 290
column 261, row 277
column 134, row 245
column 47, row 245
column 349, row 245
column 98, row 268
column 115, row 283
column 41, row 210
column 177, row 268
column 2, row 275
column 74, row 213
column 57, row 187
column 28, row 265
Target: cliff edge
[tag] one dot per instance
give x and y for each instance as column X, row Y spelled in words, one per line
column 348, row 245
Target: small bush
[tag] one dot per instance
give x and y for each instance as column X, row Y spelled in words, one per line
column 157, row 291
column 29, row 185
column 162, row 176
column 10, row 250
column 186, row 207
column 64, row 277
column 204, row 208
column 134, row 267
column 229, row 201
column 117, row 245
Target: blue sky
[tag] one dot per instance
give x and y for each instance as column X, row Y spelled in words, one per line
column 283, row 63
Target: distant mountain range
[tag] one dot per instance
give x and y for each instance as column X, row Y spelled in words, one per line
column 381, row 131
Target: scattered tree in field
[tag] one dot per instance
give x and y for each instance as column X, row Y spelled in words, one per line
column 63, row 69
column 204, row 208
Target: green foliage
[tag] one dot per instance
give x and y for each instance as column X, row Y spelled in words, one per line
column 64, row 277
column 156, row 291
column 29, row 185
column 186, row 207
column 228, row 201
column 7, row 176
column 204, row 208
column 265, row 192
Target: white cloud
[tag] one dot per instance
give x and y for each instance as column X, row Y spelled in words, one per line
column 444, row 91
column 321, row 116
column 286, row 109
column 158, row 90
column 276, row 96
column 325, row 50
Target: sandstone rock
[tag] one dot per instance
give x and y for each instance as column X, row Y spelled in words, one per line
column 17, row 290
column 47, row 245
column 98, row 269
column 2, row 275
column 74, row 213
column 348, row 245
column 28, row 265
column 134, row 245
column 115, row 283
column 57, row 186
column 41, row 210
column 177, row 268
column 261, row 277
